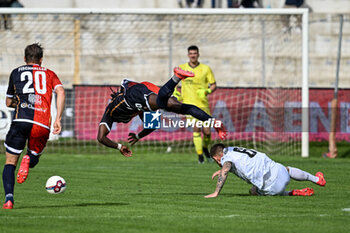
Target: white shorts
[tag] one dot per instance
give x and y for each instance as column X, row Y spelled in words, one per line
column 277, row 185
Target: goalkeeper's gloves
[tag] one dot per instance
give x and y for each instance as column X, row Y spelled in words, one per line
column 177, row 95
column 202, row 93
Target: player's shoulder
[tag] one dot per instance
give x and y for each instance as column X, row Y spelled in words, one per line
column 228, row 153
column 204, row 66
column 184, row 66
column 19, row 68
column 49, row 71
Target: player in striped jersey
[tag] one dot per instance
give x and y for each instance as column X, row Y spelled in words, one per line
column 29, row 92
column 136, row 98
column 194, row 91
column 267, row 177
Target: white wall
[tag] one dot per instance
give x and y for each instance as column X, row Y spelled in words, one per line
column 100, row 3
column 322, row 6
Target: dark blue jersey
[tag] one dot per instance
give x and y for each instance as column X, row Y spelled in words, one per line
column 130, row 102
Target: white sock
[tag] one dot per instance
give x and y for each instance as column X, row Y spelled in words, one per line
column 175, row 78
column 301, row 175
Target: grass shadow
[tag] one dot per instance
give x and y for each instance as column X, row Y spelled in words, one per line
column 87, row 204
column 193, row 194
column 345, row 154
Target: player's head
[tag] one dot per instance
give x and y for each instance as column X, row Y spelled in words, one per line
column 193, row 53
column 33, row 54
column 216, row 152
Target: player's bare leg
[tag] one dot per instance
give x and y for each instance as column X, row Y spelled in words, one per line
column 253, row 192
column 8, row 178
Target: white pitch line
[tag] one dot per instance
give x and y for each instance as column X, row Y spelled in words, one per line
column 346, row 209
column 230, row 216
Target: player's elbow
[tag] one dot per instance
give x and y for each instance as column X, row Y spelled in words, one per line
column 60, row 91
column 100, row 138
column 102, row 134
column 9, row 102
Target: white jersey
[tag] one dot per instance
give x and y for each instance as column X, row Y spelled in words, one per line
column 250, row 165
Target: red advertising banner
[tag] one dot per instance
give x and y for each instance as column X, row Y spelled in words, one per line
column 262, row 114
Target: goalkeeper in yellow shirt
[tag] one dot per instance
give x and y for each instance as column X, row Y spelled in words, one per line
column 195, row 91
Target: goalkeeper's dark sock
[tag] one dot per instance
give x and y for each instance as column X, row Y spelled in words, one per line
column 206, row 152
column 8, row 180
column 194, row 111
column 166, row 91
column 200, row 159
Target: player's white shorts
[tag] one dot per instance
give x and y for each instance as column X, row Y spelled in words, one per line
column 277, row 183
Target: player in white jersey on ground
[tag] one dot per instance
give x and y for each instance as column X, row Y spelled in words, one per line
column 268, row 177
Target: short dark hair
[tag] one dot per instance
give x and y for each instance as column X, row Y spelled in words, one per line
column 33, row 53
column 193, row 47
column 215, row 149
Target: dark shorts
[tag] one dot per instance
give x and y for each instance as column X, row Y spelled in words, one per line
column 20, row 133
column 296, row 3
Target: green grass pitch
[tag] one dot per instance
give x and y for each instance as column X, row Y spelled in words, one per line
column 165, row 193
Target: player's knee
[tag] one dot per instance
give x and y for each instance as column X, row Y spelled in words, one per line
column 34, row 160
column 173, row 105
column 163, row 96
column 206, row 132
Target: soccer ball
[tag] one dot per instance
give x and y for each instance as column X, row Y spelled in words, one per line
column 55, row 185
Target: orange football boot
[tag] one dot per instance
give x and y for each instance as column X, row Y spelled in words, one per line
column 321, row 181
column 302, row 192
column 8, row 205
column 23, row 169
column 182, row 74
column 221, row 130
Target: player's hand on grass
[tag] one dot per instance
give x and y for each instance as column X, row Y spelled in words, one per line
column 57, row 127
column 215, row 174
column 215, row 194
column 132, row 138
column 125, row 151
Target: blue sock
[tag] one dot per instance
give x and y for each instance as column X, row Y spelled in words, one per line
column 34, row 160
column 8, row 180
column 165, row 92
column 194, row 111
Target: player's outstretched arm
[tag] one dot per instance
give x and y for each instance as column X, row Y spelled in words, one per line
column 133, row 138
column 103, row 139
column 221, row 179
column 60, row 107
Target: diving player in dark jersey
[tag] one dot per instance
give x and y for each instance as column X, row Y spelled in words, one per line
column 135, row 98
